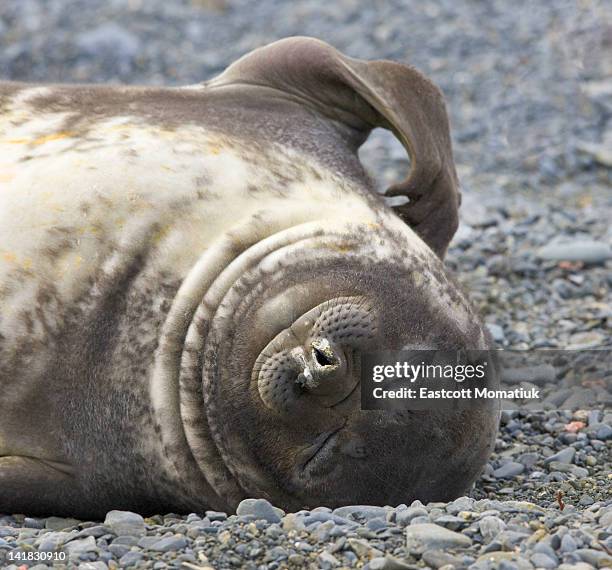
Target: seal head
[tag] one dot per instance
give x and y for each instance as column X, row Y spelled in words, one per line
column 270, row 394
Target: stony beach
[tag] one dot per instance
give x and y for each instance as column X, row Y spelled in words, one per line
column 529, row 92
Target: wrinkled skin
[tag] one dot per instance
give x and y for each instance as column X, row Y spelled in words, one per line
column 188, row 277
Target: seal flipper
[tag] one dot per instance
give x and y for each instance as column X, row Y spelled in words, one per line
column 36, row 487
column 359, row 96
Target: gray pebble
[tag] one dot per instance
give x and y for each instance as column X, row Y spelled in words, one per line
column 604, row 433
column 328, row 560
column 427, row 536
column 77, row 547
column 404, row 517
column 60, row 523
column 360, row 511
column 541, row 560
column 388, row 563
column 596, row 558
column 568, row 544
column 585, row 251
column 169, row 543
column 564, row 456
column 439, row 558
column 215, row 516
column 497, row 332
column 260, row 509
column 451, row 522
column 119, row 550
column 132, row 558
column 509, row 470
column 490, row 527
column 125, row 523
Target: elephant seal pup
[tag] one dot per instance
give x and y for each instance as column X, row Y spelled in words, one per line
column 189, row 275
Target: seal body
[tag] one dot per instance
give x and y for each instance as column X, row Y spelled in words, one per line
column 177, row 268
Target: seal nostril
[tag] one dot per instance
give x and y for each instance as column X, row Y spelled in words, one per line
column 321, row 359
column 323, row 354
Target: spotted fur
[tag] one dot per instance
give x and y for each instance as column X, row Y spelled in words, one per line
column 140, row 226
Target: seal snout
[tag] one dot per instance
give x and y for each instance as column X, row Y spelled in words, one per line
column 312, row 363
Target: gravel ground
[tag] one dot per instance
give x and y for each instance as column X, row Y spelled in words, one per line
column 530, row 96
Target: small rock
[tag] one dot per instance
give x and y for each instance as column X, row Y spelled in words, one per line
column 509, row 470
column 360, row 512
column 605, row 519
column 293, row 521
column 439, row 559
column 98, row 565
column 125, row 523
column 322, row 531
column 77, row 547
column 529, row 459
column 460, row 504
column 564, row 456
column 593, row 252
column 363, row 549
column 170, row 543
column 596, row 558
column 451, row 522
column 541, row 560
column 260, row 509
column 600, row 152
column 327, row 560
column 497, row 332
column 490, row 527
column 421, row 537
column 59, row 523
column 404, row 517
column 604, row 432
column 495, row 560
column 388, row 562
column 215, row 516
column 132, row 558
column 568, row 544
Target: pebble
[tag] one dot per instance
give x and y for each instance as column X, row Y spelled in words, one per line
column 388, row 563
column 169, row 543
column 125, row 523
column 260, row 509
column 439, row 559
column 328, row 560
column 360, row 512
column 541, row 560
column 564, row 456
column 604, row 433
column 404, row 517
column 363, row 549
column 497, row 332
column 490, row 527
column 585, row 251
column 568, row 544
column 59, row 523
column 131, row 558
column 509, row 470
column 426, row 536
column 77, row 547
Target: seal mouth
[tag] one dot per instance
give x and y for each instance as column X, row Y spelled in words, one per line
column 320, row 448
